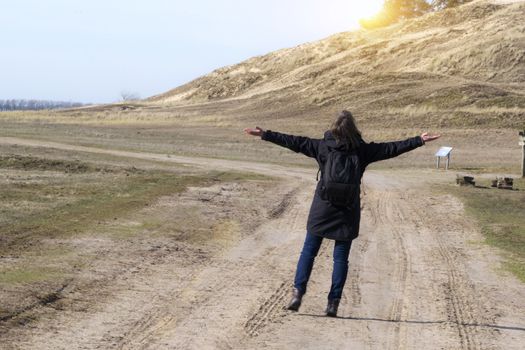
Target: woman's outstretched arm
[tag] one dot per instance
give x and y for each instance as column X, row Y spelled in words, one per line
column 301, row 144
column 374, row 152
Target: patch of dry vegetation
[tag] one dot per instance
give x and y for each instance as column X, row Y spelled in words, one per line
column 60, row 218
column 500, row 215
column 464, row 66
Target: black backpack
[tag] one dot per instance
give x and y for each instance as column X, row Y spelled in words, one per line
column 340, row 176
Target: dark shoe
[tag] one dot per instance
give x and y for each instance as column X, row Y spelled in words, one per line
column 295, row 303
column 331, row 308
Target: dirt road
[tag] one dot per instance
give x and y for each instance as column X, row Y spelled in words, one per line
column 419, row 279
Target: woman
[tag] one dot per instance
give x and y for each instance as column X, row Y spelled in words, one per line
column 329, row 219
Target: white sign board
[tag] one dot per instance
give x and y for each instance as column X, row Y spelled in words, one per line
column 443, row 151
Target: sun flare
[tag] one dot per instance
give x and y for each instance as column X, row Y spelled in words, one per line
column 362, row 10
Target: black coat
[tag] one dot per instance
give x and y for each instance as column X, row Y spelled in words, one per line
column 325, row 219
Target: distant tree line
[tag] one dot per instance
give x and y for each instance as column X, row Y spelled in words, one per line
column 17, row 105
column 396, row 10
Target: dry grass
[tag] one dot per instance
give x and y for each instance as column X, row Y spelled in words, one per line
column 196, row 135
column 60, row 216
column 454, row 68
column 500, row 215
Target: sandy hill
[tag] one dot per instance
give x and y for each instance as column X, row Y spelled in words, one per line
column 460, row 67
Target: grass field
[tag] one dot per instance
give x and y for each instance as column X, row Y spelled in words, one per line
column 52, row 201
column 500, row 214
column 64, row 212
column 165, row 133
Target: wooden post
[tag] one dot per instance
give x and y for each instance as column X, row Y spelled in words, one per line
column 522, row 144
column 448, row 161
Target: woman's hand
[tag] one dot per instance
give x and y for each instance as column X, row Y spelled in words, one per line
column 426, row 137
column 254, row 132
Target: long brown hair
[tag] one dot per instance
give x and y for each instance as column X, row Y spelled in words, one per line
column 345, row 130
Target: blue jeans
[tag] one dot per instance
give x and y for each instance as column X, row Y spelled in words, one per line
column 311, row 247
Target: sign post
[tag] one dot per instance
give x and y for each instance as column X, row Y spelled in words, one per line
column 522, row 144
column 443, row 152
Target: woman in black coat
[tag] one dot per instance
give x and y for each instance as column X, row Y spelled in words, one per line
column 326, row 219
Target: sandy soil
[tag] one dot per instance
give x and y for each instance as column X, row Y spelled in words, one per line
column 419, row 279
column 461, row 67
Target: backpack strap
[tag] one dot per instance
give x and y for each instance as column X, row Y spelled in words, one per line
column 322, row 160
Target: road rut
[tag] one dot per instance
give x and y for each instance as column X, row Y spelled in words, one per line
column 416, row 281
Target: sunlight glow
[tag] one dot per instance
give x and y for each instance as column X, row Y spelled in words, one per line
column 361, row 9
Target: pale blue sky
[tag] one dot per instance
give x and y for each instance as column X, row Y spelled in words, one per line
column 90, row 51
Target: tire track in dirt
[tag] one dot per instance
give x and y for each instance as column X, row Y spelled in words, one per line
column 223, row 276
column 273, row 307
column 219, row 305
column 463, row 308
column 284, row 204
column 45, row 300
column 359, row 249
column 146, row 328
column 152, row 324
column 268, row 311
column 213, row 286
column 380, row 211
column 389, row 217
column 203, row 288
column 460, row 309
column 457, row 289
